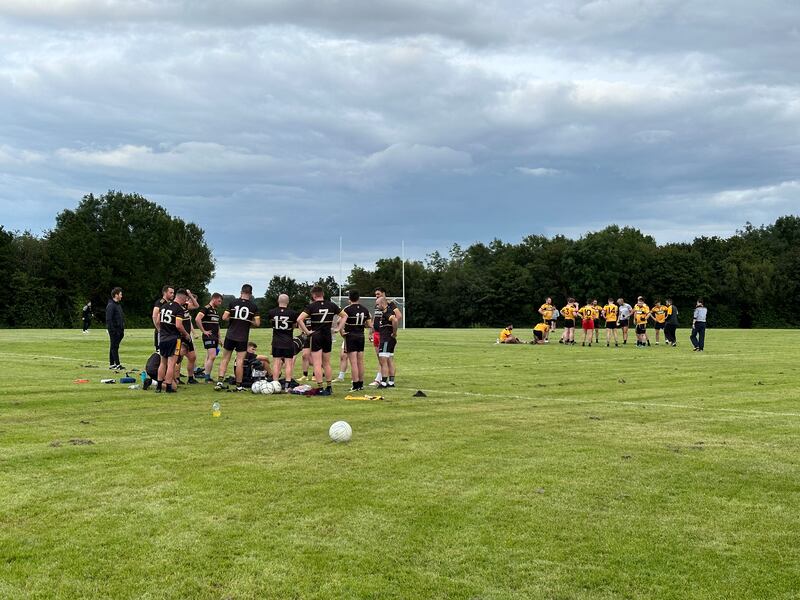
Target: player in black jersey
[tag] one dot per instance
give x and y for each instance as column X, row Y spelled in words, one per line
column 207, row 321
column 283, row 321
column 167, row 296
column 241, row 314
column 171, row 333
column 320, row 315
column 388, row 331
column 377, row 319
column 187, row 348
column 353, row 333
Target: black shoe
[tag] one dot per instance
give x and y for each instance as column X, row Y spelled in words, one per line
column 112, row 367
column 560, row 341
column 325, row 392
column 147, row 383
column 192, row 380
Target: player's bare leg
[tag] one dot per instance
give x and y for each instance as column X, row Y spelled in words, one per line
column 238, row 368
column 211, row 355
column 343, row 362
column 306, row 362
column 223, row 366
column 277, row 363
column 326, row 366
column 288, row 370
column 191, row 360
column 316, row 361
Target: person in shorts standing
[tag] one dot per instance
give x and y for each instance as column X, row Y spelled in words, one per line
column 283, row 321
column 241, row 314
column 357, row 319
column 207, row 321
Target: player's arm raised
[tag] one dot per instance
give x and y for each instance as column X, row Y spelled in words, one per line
column 301, row 323
column 192, row 302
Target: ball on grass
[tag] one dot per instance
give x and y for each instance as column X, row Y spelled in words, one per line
column 340, row 431
column 266, row 387
column 276, row 387
column 256, row 387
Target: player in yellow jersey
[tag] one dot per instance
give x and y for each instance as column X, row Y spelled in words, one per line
column 641, row 313
column 569, row 312
column 540, row 331
column 596, row 317
column 587, row 322
column 659, row 314
column 507, row 336
column 546, row 310
column 610, row 312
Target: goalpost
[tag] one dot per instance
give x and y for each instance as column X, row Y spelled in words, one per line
column 369, row 301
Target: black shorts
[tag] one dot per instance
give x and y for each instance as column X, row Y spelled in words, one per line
column 189, row 344
column 387, row 346
column 169, row 348
column 552, row 324
column 234, row 345
column 641, row 329
column 623, row 322
column 658, row 326
column 307, row 343
column 569, row 323
column 611, row 324
column 322, row 340
column 354, row 342
column 282, row 352
column 539, row 335
column 210, row 342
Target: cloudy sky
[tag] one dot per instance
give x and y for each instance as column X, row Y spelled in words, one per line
column 279, row 125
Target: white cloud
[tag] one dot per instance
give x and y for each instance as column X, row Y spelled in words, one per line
column 410, row 158
column 786, row 193
column 538, row 171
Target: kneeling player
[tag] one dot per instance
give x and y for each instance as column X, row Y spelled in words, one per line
column 540, row 331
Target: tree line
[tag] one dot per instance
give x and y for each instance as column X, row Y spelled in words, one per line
column 750, row 279
column 110, row 240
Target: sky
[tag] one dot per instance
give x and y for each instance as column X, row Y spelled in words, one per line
column 279, row 126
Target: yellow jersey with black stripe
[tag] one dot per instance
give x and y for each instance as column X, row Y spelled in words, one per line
column 610, row 312
column 595, row 311
column 505, row 334
column 568, row 312
column 659, row 313
column 586, row 312
column 640, row 313
column 547, row 311
column 543, row 327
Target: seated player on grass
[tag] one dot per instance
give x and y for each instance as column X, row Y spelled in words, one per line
column 249, row 364
column 507, row 336
column 540, row 331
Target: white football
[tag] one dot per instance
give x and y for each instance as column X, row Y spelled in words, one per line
column 276, row 387
column 340, row 431
column 256, row 387
column 266, row 387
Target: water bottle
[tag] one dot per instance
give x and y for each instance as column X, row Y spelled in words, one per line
column 216, row 411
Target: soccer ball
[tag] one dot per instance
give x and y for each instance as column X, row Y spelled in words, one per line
column 266, row 387
column 276, row 387
column 256, row 387
column 340, row 431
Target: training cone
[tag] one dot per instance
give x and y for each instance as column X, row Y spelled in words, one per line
column 420, row 394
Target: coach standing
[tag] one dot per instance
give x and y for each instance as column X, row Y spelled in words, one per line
column 115, row 323
column 698, row 337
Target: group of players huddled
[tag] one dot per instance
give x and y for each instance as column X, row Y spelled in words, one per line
column 318, row 323
column 617, row 315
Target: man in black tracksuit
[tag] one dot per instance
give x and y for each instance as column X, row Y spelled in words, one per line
column 86, row 313
column 115, row 323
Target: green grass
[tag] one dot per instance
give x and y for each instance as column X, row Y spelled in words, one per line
column 527, row 472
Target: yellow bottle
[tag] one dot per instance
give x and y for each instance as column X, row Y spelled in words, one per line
column 216, row 411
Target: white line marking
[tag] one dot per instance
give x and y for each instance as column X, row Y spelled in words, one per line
column 744, row 411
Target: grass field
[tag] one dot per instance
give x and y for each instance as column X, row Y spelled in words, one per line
column 527, row 472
